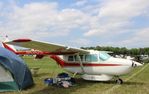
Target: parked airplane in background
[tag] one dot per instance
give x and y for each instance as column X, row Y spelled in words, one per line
column 92, row 64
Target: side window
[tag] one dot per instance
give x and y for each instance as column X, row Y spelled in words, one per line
column 70, row 58
column 88, row 58
column 94, row 58
column 81, row 57
column 77, row 59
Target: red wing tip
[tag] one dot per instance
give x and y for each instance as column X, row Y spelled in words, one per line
column 22, row 40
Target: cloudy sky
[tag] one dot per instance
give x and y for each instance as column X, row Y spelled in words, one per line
column 122, row 23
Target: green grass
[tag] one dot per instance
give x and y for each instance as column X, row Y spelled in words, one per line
column 48, row 68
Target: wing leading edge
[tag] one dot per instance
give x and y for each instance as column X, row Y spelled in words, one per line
column 45, row 46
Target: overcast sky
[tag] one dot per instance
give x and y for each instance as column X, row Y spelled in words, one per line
column 122, row 23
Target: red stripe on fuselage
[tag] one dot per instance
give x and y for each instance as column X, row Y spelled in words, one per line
column 88, row 64
column 62, row 63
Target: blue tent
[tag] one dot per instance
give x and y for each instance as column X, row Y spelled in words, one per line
column 14, row 73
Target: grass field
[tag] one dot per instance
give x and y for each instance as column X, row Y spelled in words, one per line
column 137, row 82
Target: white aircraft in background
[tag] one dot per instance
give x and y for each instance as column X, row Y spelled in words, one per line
column 93, row 65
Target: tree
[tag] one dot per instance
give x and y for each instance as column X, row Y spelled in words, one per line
column 123, row 50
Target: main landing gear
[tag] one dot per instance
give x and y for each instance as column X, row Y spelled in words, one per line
column 118, row 80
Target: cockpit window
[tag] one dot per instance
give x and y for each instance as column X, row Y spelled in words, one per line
column 91, row 58
column 104, row 56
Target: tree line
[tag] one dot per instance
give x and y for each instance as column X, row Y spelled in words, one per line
column 121, row 50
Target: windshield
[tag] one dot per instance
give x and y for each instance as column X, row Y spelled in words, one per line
column 104, row 56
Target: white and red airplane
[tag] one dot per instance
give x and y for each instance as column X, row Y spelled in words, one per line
column 93, row 65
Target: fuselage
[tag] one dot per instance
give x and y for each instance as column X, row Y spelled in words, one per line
column 95, row 63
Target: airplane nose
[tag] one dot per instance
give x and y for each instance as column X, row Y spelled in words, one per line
column 136, row 64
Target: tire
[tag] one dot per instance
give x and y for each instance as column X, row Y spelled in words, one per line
column 73, row 81
column 119, row 81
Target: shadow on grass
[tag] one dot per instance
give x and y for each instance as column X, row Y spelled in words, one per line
column 40, row 74
column 124, row 83
column 133, row 83
column 79, row 85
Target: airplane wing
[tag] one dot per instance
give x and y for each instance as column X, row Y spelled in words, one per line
column 45, row 46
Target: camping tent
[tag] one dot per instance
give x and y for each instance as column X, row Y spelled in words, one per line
column 14, row 73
